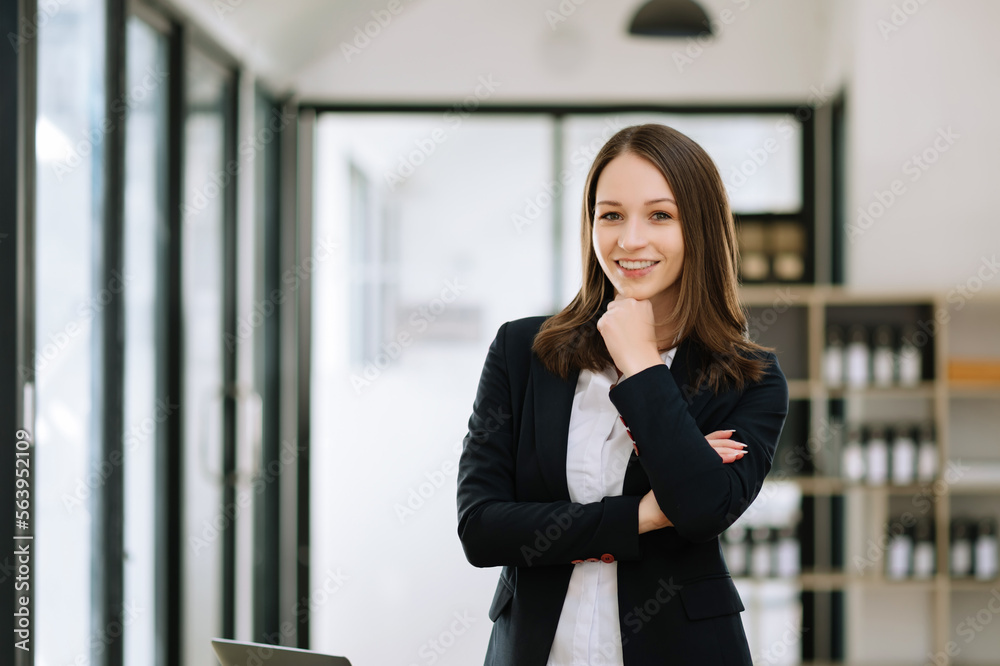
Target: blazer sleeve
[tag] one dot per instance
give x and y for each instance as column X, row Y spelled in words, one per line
column 497, row 530
column 701, row 495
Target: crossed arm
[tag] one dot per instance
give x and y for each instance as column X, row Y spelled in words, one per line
column 496, row 529
column 692, row 485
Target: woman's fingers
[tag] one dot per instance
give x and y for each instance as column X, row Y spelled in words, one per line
column 731, row 454
column 726, row 444
column 727, row 449
column 723, row 441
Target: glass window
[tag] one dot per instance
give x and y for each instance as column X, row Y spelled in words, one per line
column 144, row 410
column 68, row 149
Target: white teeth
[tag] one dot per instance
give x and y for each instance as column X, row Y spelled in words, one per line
column 635, row 265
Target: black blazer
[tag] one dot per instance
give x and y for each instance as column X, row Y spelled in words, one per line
column 676, row 600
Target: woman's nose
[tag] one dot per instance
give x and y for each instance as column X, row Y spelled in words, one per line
column 633, row 236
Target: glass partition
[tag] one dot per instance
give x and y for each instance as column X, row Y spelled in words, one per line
column 208, row 87
column 69, row 152
column 144, row 410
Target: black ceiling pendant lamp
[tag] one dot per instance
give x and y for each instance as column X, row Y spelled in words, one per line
column 670, row 18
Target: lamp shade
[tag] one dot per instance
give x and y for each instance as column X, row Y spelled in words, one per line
column 670, row 18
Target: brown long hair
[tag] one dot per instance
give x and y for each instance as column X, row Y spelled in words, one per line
column 708, row 311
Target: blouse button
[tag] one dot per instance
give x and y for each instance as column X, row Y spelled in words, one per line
column 607, row 558
column 577, row 561
column 593, row 559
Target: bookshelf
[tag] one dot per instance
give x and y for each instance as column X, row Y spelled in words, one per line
column 854, row 608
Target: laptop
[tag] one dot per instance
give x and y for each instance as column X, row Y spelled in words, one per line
column 239, row 653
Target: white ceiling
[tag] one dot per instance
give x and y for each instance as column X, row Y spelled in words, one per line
column 279, row 38
column 542, row 50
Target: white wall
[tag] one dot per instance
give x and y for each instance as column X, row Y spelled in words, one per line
column 939, row 70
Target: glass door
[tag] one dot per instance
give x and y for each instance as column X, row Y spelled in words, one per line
column 208, row 522
column 144, row 409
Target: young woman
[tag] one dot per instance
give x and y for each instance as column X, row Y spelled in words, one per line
column 611, row 444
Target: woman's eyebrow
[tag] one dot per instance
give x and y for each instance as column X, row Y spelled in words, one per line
column 648, row 203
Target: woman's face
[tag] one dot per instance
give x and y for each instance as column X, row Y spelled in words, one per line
column 637, row 232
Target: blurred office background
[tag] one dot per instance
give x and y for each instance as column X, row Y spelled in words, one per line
column 255, row 252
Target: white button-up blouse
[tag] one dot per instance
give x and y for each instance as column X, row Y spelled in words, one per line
column 597, row 453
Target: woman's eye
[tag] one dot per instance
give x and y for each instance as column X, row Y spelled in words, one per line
column 662, row 216
column 611, row 216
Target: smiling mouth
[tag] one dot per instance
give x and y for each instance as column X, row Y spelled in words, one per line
column 635, row 265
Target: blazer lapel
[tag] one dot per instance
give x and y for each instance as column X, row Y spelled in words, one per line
column 553, row 402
